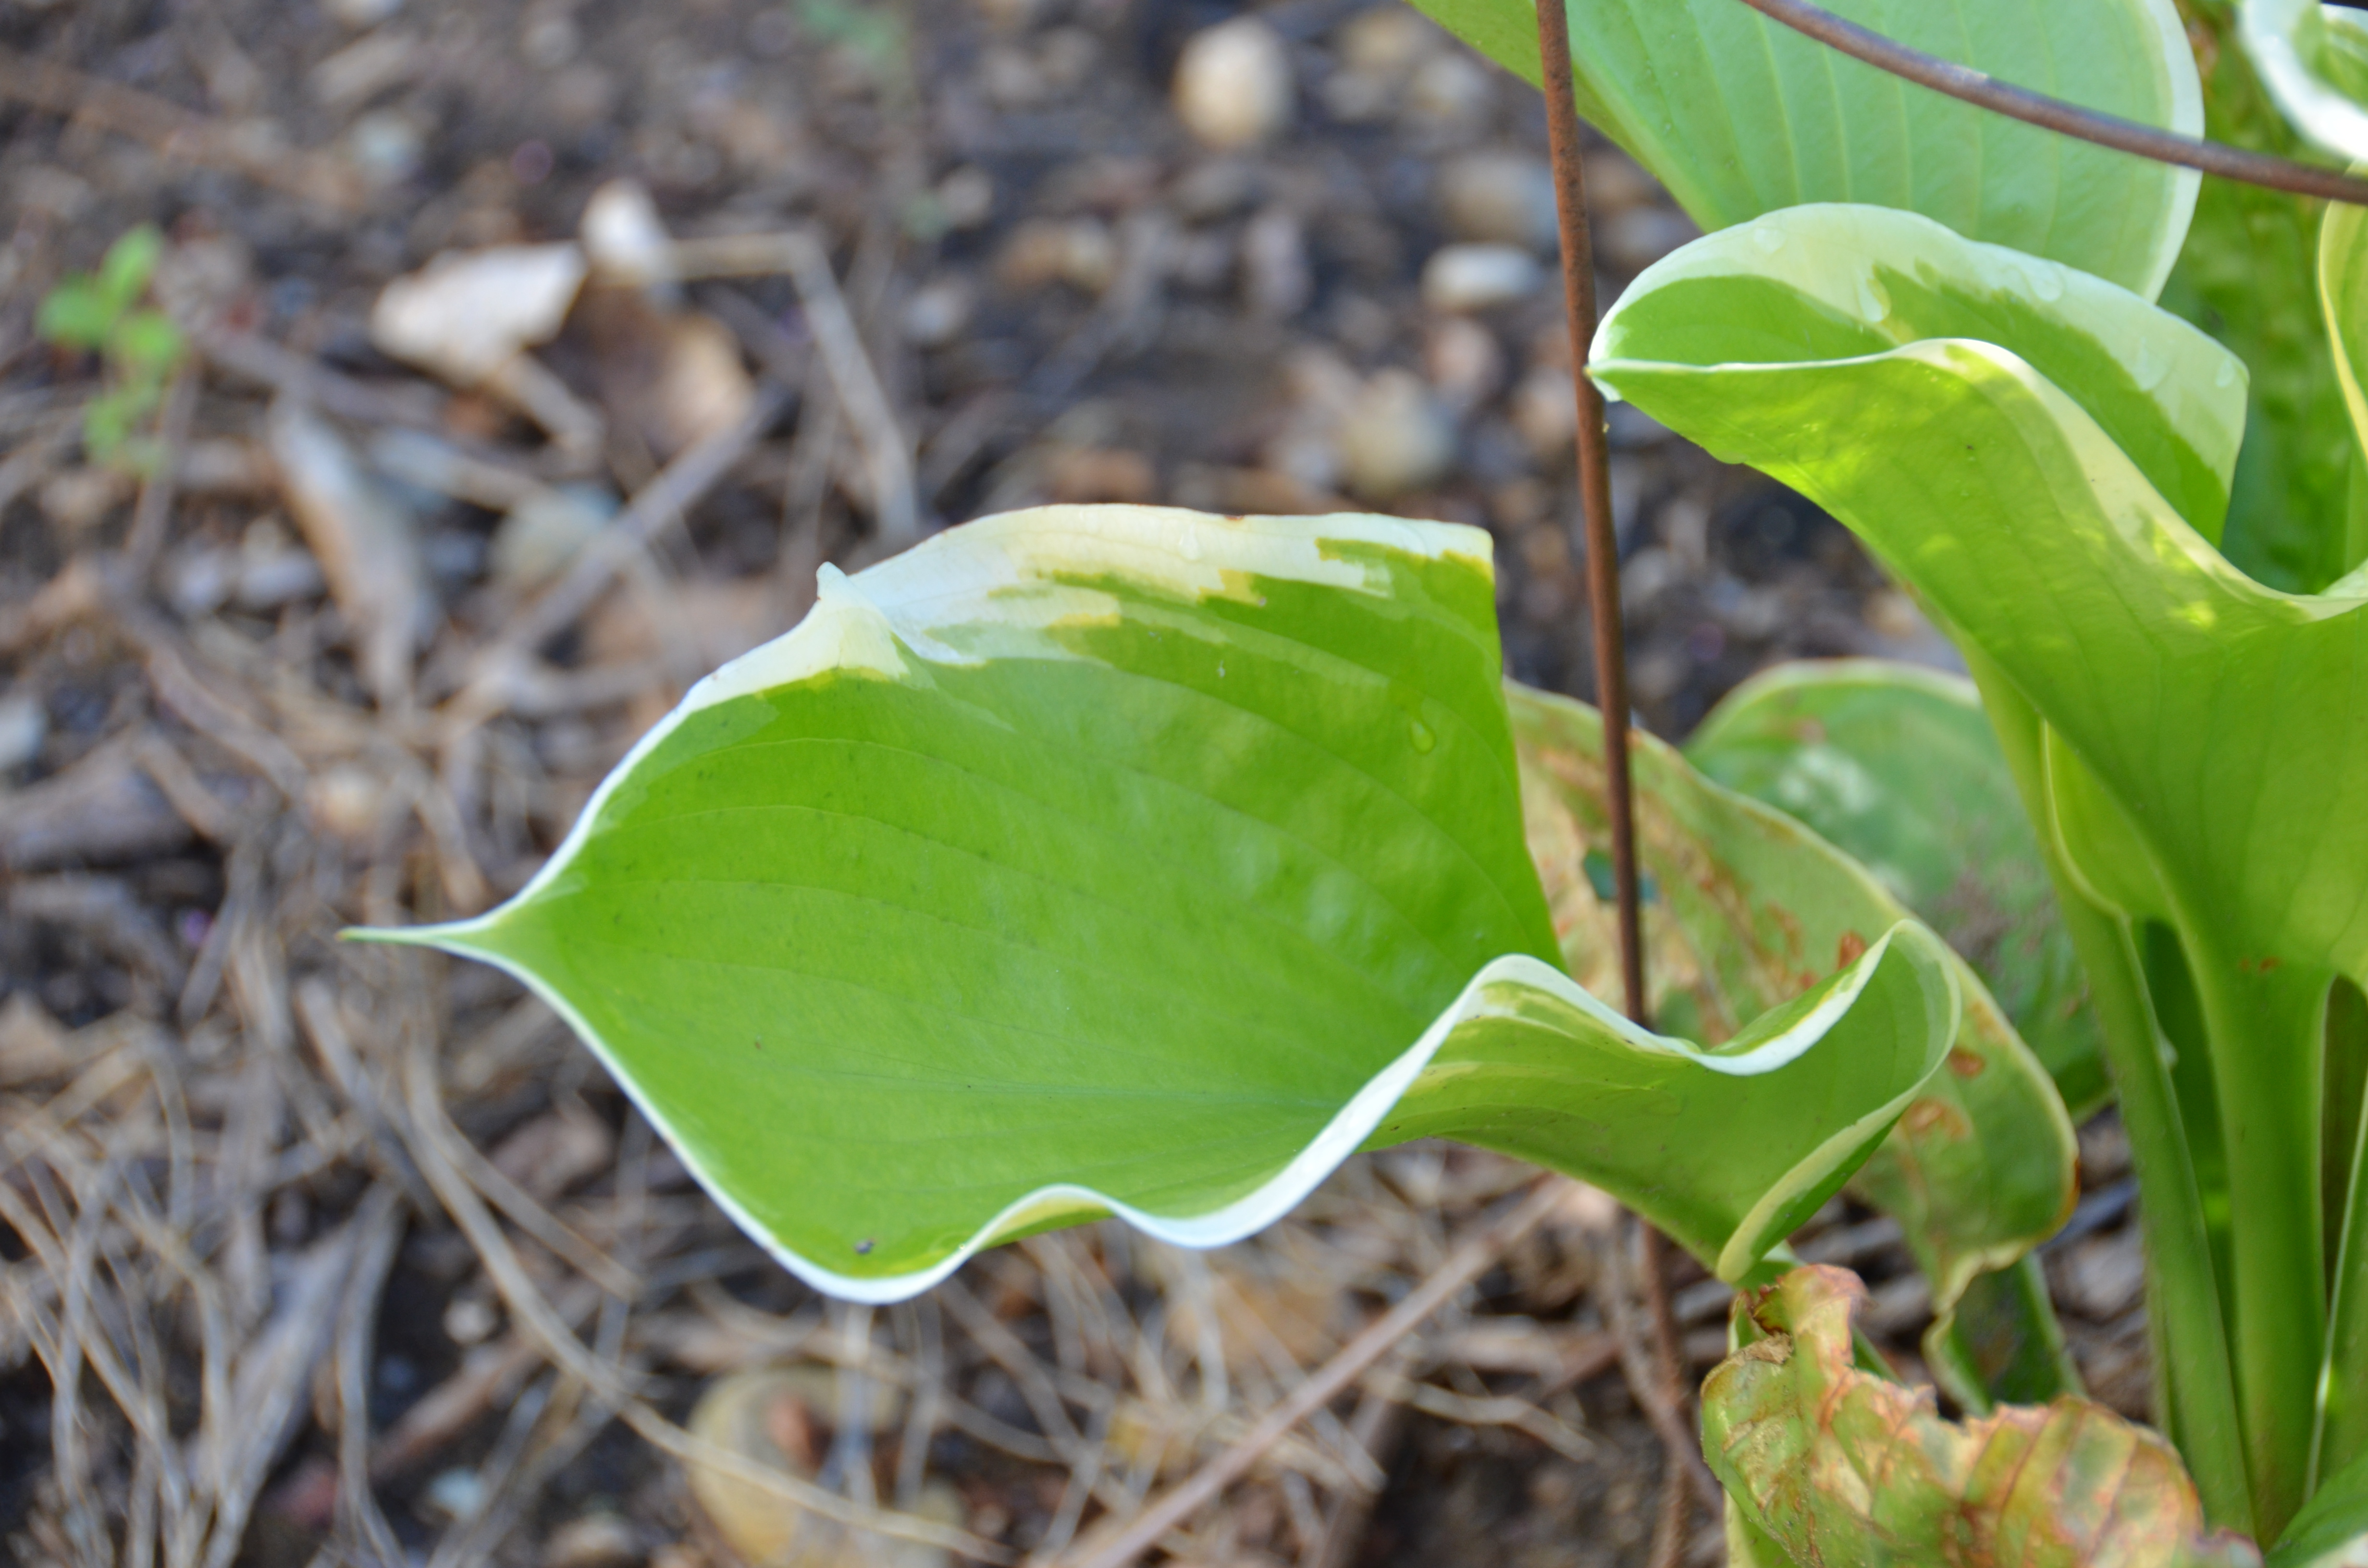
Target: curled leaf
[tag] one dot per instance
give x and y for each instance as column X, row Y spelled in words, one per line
column 1897, row 767
column 2313, row 60
column 1744, row 905
column 1841, row 1466
column 1118, row 859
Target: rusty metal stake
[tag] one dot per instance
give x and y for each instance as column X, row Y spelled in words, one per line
column 1595, row 492
column 1611, row 662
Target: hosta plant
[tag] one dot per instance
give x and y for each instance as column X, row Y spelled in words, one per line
column 1123, row 860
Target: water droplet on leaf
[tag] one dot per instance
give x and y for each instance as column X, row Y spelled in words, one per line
column 1419, row 732
column 2150, row 368
column 1768, row 237
column 2048, row 282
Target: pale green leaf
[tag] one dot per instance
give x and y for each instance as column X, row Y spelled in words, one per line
column 2313, row 60
column 2215, row 714
column 1897, row 767
column 1739, row 116
column 1121, row 860
column 1744, row 908
column 1843, row 1468
column 2343, row 296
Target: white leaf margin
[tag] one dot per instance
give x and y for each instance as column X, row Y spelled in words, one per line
column 1827, row 252
column 2280, row 36
column 885, row 616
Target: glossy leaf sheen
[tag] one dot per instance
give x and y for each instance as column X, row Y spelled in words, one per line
column 1740, row 116
column 1842, row 1468
column 1097, row 859
column 1897, row 766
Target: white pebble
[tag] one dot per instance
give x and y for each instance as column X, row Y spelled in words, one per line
column 1233, row 85
column 1475, row 277
column 1499, row 199
column 1450, row 90
column 939, row 312
column 1395, row 440
column 623, row 236
column 454, row 1494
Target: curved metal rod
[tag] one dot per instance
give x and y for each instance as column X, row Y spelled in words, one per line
column 2054, row 114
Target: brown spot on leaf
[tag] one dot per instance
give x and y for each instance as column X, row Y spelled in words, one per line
column 1851, row 949
column 1930, row 1118
column 1966, row 1064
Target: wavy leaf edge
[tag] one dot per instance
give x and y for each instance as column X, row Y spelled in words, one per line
column 853, row 629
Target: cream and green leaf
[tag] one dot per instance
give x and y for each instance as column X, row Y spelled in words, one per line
column 2046, row 466
column 1745, row 906
column 1739, row 115
column 2313, row 60
column 2244, row 277
column 1121, row 860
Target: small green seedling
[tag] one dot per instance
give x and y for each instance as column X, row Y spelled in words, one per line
column 139, row 347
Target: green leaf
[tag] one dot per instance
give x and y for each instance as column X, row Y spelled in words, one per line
column 75, row 314
column 2332, row 1531
column 1746, row 906
column 128, row 266
column 1897, row 766
column 1122, row 859
column 1841, row 1468
column 1739, row 116
column 148, row 344
column 2031, row 505
column 2343, row 296
column 2313, row 60
column 2244, row 278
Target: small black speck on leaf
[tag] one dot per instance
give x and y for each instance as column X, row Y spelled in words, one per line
column 864, row 1246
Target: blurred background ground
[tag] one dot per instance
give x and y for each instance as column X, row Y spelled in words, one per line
column 365, row 636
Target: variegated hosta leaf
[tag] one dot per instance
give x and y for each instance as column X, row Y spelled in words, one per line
column 2314, row 59
column 1122, row 859
column 2343, row 294
column 1745, row 906
column 2040, row 504
column 1895, row 765
column 2244, row 278
column 1842, row 1468
column 1739, row 116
